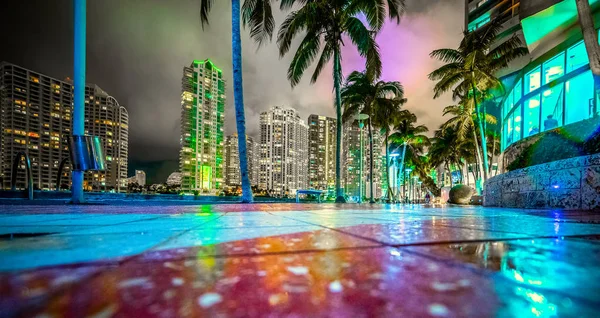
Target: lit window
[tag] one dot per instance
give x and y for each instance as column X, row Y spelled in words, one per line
column 554, row 68
column 552, row 107
column 532, row 80
column 576, row 57
column 579, row 98
column 532, row 116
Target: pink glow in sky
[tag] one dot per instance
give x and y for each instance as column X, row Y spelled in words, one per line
column 405, row 52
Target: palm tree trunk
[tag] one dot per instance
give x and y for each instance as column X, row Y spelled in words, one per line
column 478, row 160
column 590, row 38
column 387, row 166
column 493, row 152
column 238, row 97
column 371, row 200
column 402, row 164
column 338, row 137
column 484, row 158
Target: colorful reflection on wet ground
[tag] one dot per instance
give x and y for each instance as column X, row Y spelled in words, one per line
column 297, row 260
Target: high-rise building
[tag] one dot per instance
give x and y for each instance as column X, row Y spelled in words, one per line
column 36, row 118
column 202, row 118
column 139, row 178
column 351, row 162
column 283, row 162
column 321, row 152
column 553, row 85
column 233, row 175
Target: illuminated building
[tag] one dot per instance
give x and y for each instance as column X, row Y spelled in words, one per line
column 233, row 175
column 139, row 178
column 36, row 118
column 202, row 118
column 174, row 179
column 321, row 152
column 283, row 162
column 552, row 86
column 351, row 162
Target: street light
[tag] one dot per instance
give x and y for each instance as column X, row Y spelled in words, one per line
column 361, row 124
column 407, row 178
column 394, row 180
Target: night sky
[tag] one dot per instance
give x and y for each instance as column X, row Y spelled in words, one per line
column 137, row 48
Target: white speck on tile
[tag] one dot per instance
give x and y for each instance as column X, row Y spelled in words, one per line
column 295, row 288
column 274, row 299
column 65, row 279
column 432, row 267
column 230, row 280
column 376, row 275
column 336, row 287
column 169, row 294
column 139, row 281
column 209, row 299
column 176, row 281
column 443, row 286
column 438, row 310
column 261, row 273
column 172, row 266
column 298, row 270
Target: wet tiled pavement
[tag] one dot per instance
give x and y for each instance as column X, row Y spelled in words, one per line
column 297, row 260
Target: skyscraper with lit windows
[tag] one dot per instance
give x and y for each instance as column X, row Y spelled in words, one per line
column 202, row 119
column 232, row 172
column 35, row 118
column 321, row 152
column 283, row 161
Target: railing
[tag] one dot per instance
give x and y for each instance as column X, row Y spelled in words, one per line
column 20, row 156
column 61, row 166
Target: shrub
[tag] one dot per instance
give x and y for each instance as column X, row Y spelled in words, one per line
column 579, row 139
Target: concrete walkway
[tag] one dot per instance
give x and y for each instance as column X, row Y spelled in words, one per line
column 297, row 260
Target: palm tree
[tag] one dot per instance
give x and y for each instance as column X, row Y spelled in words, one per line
column 463, row 121
column 258, row 15
column 361, row 94
column 323, row 24
column 590, row 38
column 408, row 136
column 423, row 167
column 469, row 70
column 448, row 148
column 385, row 116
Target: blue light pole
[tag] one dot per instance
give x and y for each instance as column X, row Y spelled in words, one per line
column 79, row 90
column 361, row 124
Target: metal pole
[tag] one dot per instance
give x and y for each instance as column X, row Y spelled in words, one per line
column 79, row 90
column 360, row 124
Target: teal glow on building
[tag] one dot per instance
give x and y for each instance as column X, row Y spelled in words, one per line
column 555, row 87
column 202, row 119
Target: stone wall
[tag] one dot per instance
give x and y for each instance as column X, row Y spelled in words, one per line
column 572, row 183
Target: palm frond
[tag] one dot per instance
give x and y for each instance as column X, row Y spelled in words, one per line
column 259, row 16
column 307, row 51
column 447, row 55
column 205, row 6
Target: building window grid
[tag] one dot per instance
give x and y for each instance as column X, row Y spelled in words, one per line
column 567, row 75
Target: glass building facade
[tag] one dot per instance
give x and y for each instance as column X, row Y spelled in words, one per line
column 556, row 90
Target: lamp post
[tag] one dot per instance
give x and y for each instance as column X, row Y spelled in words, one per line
column 78, row 90
column 394, row 180
column 361, row 124
column 407, row 183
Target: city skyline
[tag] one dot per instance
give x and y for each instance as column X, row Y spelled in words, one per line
column 146, row 78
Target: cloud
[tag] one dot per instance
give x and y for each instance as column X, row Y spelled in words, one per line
column 137, row 50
